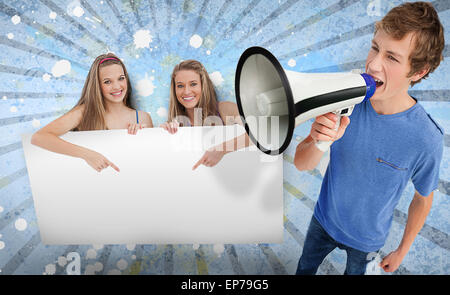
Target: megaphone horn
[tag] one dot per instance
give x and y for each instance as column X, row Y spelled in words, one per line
column 273, row 101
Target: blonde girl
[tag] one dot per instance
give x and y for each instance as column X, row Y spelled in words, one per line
column 104, row 104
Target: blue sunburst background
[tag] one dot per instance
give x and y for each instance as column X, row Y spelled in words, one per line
column 47, row 47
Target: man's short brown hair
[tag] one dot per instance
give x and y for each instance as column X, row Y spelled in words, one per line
column 421, row 19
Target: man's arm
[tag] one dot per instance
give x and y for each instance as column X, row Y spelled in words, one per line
column 417, row 214
column 307, row 155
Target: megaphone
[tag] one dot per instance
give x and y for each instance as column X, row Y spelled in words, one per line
column 272, row 101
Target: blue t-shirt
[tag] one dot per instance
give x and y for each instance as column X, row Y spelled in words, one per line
column 369, row 168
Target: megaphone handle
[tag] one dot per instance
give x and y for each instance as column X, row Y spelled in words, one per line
column 324, row 145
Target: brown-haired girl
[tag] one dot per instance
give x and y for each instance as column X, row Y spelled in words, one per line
column 193, row 102
column 104, row 104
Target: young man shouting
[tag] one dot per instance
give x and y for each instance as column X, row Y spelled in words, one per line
column 391, row 139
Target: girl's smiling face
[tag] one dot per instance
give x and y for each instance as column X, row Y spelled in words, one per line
column 188, row 88
column 113, row 83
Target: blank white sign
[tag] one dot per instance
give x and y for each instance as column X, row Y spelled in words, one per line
column 156, row 198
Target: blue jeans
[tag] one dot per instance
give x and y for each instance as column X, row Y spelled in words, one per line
column 318, row 244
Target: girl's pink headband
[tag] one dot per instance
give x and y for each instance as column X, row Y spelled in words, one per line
column 107, row 59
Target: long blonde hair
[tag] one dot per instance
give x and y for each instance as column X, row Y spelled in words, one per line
column 208, row 98
column 91, row 96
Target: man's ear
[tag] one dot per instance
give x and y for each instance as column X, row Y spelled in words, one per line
column 419, row 74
